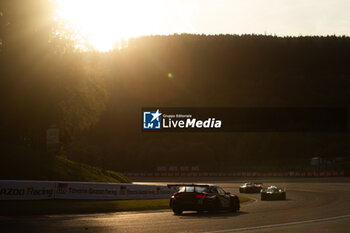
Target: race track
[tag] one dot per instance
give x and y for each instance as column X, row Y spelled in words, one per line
column 312, row 205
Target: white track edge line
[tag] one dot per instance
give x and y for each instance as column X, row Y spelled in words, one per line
column 280, row 224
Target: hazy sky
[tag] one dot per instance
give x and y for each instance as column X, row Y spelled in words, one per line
column 281, row 17
column 103, row 22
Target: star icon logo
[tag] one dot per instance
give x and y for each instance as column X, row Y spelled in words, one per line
column 156, row 115
column 152, row 119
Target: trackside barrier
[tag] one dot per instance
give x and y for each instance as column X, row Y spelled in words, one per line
column 243, row 174
column 40, row 190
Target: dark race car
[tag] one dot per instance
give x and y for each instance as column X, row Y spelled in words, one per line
column 198, row 197
column 273, row 193
column 251, row 188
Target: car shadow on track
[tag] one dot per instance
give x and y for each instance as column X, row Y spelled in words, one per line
column 219, row 214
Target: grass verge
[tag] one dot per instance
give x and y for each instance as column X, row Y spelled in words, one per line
column 22, row 163
column 244, row 199
column 46, row 207
column 65, row 169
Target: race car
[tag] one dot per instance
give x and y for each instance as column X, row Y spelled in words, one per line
column 202, row 197
column 250, row 188
column 273, row 193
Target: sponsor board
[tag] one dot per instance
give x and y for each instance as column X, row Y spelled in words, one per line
column 43, row 190
column 36, row 190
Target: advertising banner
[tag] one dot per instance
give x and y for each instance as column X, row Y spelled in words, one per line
column 26, row 190
column 40, row 190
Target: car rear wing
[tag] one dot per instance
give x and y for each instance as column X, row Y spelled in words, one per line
column 177, row 187
column 283, row 189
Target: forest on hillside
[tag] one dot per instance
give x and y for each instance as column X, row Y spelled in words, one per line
column 95, row 99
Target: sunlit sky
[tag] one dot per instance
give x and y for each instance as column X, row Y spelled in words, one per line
column 104, row 22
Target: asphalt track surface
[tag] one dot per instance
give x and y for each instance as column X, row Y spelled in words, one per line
column 312, row 205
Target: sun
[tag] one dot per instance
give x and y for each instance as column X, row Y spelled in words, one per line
column 101, row 22
column 105, row 23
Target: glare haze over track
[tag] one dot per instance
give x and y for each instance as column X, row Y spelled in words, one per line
column 312, row 205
